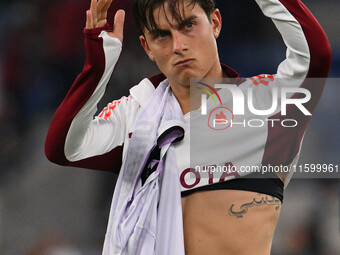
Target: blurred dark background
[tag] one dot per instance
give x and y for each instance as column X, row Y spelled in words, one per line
column 46, row 209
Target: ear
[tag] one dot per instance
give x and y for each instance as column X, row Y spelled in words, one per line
column 216, row 22
column 145, row 46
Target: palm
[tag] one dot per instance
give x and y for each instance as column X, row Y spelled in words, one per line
column 96, row 17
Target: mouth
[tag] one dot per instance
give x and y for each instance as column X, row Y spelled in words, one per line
column 184, row 62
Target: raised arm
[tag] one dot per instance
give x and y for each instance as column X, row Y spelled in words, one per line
column 308, row 50
column 74, row 138
column 307, row 65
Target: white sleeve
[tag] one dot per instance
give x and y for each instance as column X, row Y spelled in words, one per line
column 86, row 136
column 307, row 44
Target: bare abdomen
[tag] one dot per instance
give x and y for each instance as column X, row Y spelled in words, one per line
column 227, row 222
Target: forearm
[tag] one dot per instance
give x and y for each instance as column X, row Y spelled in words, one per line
column 308, row 50
column 82, row 139
column 72, row 121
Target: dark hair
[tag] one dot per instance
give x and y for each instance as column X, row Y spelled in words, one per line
column 143, row 11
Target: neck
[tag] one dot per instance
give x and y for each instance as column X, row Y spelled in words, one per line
column 183, row 96
column 182, row 93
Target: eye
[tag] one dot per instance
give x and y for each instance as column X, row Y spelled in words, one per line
column 189, row 25
column 160, row 35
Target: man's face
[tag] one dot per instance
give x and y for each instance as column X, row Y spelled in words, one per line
column 184, row 50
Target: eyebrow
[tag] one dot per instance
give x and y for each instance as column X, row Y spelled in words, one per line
column 186, row 21
column 180, row 26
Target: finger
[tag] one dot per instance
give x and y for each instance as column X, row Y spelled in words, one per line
column 105, row 9
column 118, row 26
column 106, row 6
column 93, row 9
column 89, row 21
column 100, row 5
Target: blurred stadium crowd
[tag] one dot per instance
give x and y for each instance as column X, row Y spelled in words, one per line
column 50, row 210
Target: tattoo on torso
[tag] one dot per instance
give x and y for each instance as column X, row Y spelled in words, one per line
column 264, row 200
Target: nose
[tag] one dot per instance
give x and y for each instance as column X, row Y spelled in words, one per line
column 179, row 42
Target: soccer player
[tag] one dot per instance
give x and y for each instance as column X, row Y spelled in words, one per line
column 155, row 208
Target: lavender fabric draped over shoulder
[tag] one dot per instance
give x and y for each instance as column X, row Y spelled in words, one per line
column 146, row 219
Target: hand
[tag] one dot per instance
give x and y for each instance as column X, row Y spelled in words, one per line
column 96, row 17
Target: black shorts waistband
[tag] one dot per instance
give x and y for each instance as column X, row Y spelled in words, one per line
column 255, row 182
